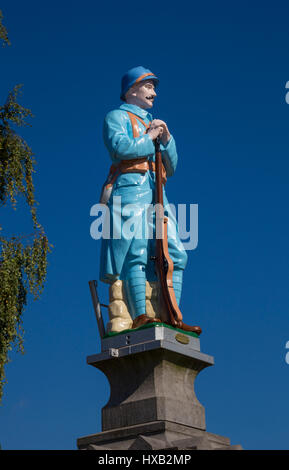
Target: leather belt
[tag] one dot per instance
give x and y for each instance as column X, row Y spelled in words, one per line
column 139, row 165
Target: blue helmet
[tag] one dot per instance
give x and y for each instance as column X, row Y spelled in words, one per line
column 134, row 75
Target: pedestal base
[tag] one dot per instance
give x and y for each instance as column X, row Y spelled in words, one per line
column 156, row 435
column 152, row 404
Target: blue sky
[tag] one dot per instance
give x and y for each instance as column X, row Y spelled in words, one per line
column 223, row 67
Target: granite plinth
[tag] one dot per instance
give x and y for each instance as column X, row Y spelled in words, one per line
column 152, row 402
column 156, row 435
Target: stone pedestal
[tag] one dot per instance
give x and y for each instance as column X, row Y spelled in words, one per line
column 152, row 404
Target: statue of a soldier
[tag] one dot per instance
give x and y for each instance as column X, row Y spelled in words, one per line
column 129, row 134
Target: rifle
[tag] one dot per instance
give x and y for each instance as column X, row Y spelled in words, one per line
column 164, row 263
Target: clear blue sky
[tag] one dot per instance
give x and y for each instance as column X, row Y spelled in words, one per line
column 223, row 67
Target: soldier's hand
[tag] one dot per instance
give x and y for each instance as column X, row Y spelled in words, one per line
column 165, row 135
column 155, row 132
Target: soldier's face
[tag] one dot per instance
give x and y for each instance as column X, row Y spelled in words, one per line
column 142, row 94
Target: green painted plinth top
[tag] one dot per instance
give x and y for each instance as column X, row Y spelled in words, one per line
column 150, row 325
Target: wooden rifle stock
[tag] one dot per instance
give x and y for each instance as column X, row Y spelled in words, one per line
column 164, row 263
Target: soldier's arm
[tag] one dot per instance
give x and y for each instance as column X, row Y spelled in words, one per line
column 169, row 156
column 118, row 141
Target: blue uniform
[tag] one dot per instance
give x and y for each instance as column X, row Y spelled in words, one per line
column 127, row 257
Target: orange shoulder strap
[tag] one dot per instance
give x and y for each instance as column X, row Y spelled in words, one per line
column 134, row 124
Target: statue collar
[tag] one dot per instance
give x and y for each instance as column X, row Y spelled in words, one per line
column 142, row 113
